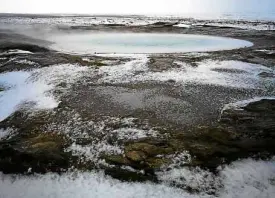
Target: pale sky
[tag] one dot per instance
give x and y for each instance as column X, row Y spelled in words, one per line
column 134, row 7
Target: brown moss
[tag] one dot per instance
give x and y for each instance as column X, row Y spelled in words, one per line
column 148, row 149
column 97, row 63
column 45, row 146
column 135, row 156
column 156, row 163
column 116, row 160
column 48, row 137
column 43, row 153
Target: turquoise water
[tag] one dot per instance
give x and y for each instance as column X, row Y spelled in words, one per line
column 143, row 43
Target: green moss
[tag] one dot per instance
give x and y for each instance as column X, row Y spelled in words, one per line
column 136, row 156
column 202, row 150
column 116, row 160
column 79, row 60
column 97, row 63
column 43, row 152
column 213, row 134
column 156, row 163
column 75, row 59
column 125, row 175
column 45, row 146
column 152, row 60
column 177, row 144
column 145, row 147
column 48, row 137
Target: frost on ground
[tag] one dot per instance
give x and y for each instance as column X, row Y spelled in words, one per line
column 34, row 89
column 181, row 21
column 195, row 179
column 4, row 133
column 246, row 178
column 269, row 52
column 125, row 72
column 92, row 139
column 240, row 104
column 16, row 51
column 224, row 73
column 27, row 62
column 240, row 25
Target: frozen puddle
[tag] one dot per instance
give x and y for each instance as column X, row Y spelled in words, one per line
column 246, row 179
column 33, row 89
column 142, row 43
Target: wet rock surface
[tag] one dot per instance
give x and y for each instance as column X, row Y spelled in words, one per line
column 255, row 119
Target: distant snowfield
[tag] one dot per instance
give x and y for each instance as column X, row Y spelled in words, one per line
column 246, row 178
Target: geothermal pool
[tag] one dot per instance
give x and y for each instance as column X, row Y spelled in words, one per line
column 142, row 43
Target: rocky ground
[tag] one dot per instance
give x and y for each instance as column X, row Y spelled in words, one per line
column 134, row 129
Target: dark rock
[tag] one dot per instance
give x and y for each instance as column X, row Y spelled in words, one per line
column 143, row 155
column 125, row 175
column 21, row 120
column 234, row 71
column 135, row 156
column 117, row 160
column 254, row 120
column 157, row 163
column 41, row 154
column 150, row 149
column 23, row 46
column 162, row 24
column 262, row 106
column 171, row 81
column 161, row 64
column 266, row 75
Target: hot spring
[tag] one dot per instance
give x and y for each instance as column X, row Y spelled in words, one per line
column 142, row 43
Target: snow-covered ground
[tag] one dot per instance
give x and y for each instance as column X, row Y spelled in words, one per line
column 182, row 22
column 224, row 73
column 33, row 89
column 246, row 178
